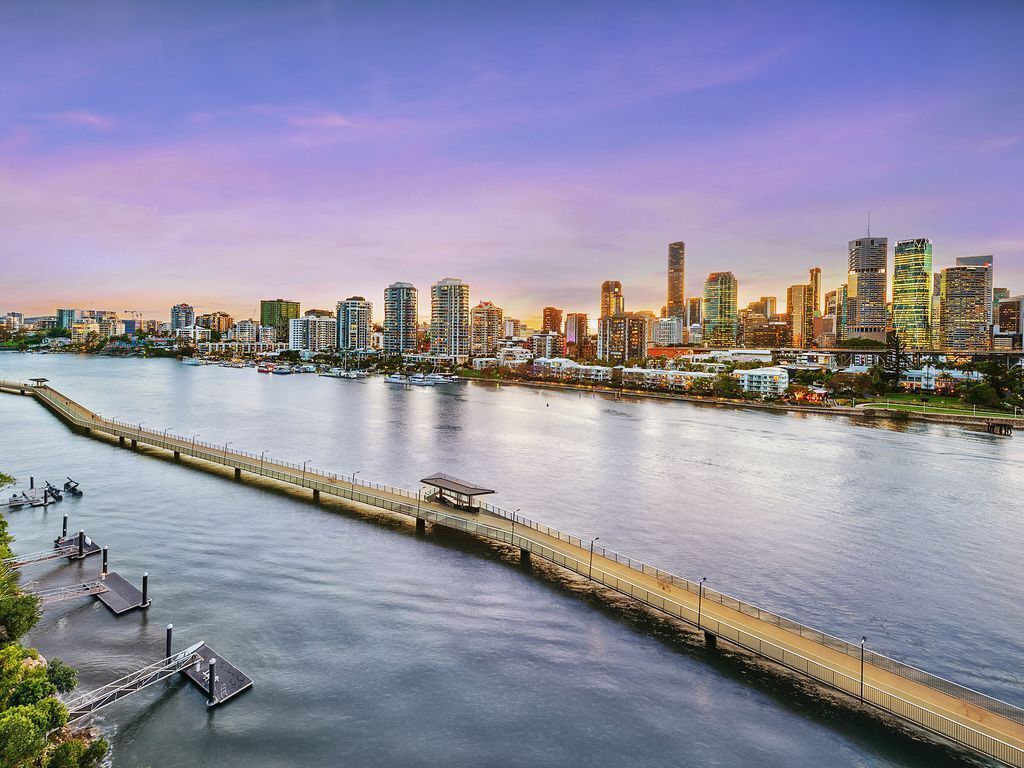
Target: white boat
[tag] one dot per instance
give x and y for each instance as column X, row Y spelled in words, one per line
column 192, row 361
column 309, row 369
column 396, row 378
column 333, row 373
column 281, row 370
column 419, row 380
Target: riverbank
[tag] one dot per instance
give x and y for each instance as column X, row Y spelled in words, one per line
column 875, row 411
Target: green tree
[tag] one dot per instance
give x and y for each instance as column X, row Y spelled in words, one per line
column 896, row 362
column 63, row 676
column 725, row 385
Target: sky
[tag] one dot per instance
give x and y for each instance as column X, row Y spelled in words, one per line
column 222, row 152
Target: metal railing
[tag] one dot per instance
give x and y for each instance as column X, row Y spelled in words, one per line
column 360, row 491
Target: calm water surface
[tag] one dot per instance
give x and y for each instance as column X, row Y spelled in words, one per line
column 371, row 646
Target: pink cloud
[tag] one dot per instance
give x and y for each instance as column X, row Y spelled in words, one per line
column 81, row 117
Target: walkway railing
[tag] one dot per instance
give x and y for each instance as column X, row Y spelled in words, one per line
column 369, row 493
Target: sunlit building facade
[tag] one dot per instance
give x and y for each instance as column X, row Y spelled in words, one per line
column 675, row 301
column 449, row 319
column 612, row 300
column 401, row 317
column 867, row 314
column 912, row 292
column 965, row 307
column 719, row 310
column 487, row 327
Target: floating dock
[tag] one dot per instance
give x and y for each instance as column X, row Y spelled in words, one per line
column 121, row 596
column 229, row 681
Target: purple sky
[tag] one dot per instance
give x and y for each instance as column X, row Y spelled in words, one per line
column 220, row 152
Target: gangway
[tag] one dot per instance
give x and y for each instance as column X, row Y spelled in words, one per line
column 87, row 703
column 69, row 592
column 75, row 547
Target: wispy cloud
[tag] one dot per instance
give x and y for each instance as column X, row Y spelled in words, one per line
column 80, row 117
column 999, row 143
column 322, row 120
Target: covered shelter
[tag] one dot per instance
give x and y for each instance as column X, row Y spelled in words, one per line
column 38, row 382
column 454, row 492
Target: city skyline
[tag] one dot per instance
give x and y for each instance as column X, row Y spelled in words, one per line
column 534, row 177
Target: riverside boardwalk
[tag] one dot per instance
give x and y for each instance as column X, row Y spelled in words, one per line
column 985, row 725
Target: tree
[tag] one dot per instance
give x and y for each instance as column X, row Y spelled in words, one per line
column 725, row 385
column 895, row 362
column 63, row 676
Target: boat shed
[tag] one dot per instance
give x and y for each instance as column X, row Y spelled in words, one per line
column 454, row 492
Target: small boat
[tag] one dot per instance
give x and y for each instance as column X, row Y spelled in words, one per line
column 192, row 361
column 396, row 378
column 438, row 378
column 419, row 380
column 265, row 368
column 281, row 370
column 333, row 373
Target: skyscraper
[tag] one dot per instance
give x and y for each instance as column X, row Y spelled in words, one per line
column 814, row 282
column 313, row 333
column 801, row 314
column 912, row 292
column 577, row 335
column 719, row 310
column 552, row 320
column 401, row 316
column 867, row 311
column 693, row 311
column 986, row 263
column 965, row 307
column 487, row 326
column 182, row 316
column 612, row 300
column 768, row 306
column 675, row 304
column 277, row 313
column 998, row 294
column 622, row 337
column 355, row 320
column 449, row 318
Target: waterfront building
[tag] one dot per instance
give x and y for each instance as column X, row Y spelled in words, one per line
column 182, row 316
column 81, row 332
column 401, row 314
column 985, row 263
column 669, row 331
column 814, row 282
column 66, row 318
column 277, row 313
column 547, row 344
column 313, row 333
column 449, row 319
column 191, row 335
column 513, row 328
column 800, row 308
column 964, row 308
column 912, row 292
column 486, row 326
column 867, row 314
column 354, row 323
column 694, row 314
column 612, row 300
column 675, row 304
column 622, row 337
column 577, row 335
column 719, row 310
column 244, row 331
column 766, row 382
column 110, row 327
column 220, row 322
column 239, row 348
column 552, row 320
column 318, row 313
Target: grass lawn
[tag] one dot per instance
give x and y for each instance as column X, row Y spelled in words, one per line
column 935, row 405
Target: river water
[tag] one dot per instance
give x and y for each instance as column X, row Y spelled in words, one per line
column 371, row 646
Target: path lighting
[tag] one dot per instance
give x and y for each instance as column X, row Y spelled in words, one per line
column 590, row 570
column 513, row 539
column 262, row 454
column 229, row 442
column 700, row 597
column 304, row 470
column 354, row 476
column 863, row 640
column 194, row 443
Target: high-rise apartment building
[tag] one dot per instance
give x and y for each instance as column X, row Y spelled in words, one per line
column 548, row 344
column 694, row 315
column 675, row 303
column 66, row 318
column 612, row 300
column 814, row 281
column 401, row 316
column 965, row 307
column 449, row 318
column 831, row 305
column 277, row 313
column 719, row 310
column 1010, row 319
column 220, row 322
column 842, row 308
column 313, row 333
column 355, row 323
column 912, row 292
column 998, row 294
column 513, row 328
column 800, row 308
column 867, row 314
column 552, row 320
column 486, row 326
column 622, row 337
column 669, row 331
column 182, row 316
column 984, row 262
column 767, row 306
column 577, row 335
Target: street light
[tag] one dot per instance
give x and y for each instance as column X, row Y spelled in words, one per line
column 194, row 443
column 513, row 539
column 863, row 640
column 590, row 570
column 229, row 442
column 354, row 476
column 700, row 597
column 304, row 470
column 262, row 454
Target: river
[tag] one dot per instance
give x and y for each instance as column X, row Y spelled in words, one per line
column 370, row 646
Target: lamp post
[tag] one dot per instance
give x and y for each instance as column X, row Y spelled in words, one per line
column 863, row 640
column 304, row 470
column 354, row 476
column 229, row 442
column 700, row 597
column 513, row 539
column 262, row 454
column 590, row 569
